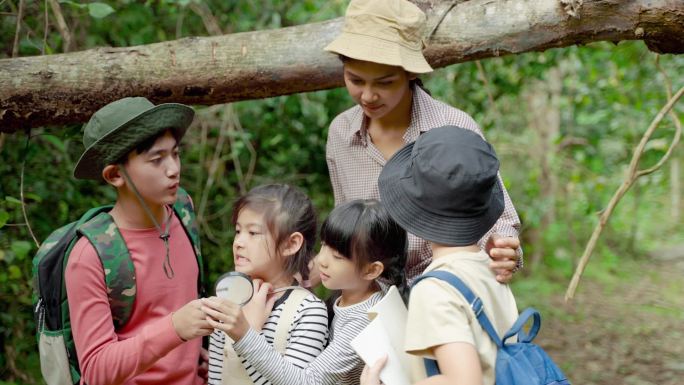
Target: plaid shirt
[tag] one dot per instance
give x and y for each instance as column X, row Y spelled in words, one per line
column 355, row 164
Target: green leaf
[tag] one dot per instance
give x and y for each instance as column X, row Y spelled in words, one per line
column 21, row 248
column 2, row 255
column 4, row 217
column 55, row 141
column 12, row 199
column 34, row 197
column 99, row 10
column 14, row 272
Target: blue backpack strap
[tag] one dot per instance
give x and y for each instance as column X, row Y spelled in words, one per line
column 517, row 327
column 476, row 305
column 431, row 367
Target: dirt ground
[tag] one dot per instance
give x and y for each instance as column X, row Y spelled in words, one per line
column 621, row 331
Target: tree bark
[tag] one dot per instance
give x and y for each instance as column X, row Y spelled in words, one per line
column 68, row 88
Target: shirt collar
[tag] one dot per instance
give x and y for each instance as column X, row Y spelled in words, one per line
column 357, row 125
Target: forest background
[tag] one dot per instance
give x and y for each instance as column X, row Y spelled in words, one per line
column 564, row 123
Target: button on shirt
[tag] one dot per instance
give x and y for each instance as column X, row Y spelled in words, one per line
column 355, row 164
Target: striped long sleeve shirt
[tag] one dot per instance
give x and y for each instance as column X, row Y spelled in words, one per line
column 306, row 339
column 337, row 365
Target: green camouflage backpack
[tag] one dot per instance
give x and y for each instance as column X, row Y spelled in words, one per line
column 58, row 358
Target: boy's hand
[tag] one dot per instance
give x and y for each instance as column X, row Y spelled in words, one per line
column 504, row 254
column 190, row 321
column 225, row 315
column 371, row 375
column 259, row 308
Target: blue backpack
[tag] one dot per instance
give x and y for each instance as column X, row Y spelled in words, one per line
column 521, row 363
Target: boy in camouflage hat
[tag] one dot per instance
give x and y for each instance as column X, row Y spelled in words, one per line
column 133, row 145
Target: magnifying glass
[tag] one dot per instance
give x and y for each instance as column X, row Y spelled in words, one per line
column 235, row 287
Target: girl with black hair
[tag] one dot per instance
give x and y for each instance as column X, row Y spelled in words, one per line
column 275, row 233
column 360, row 244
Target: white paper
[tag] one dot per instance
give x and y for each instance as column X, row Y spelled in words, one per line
column 384, row 335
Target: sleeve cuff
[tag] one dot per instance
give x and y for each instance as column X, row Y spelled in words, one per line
column 250, row 338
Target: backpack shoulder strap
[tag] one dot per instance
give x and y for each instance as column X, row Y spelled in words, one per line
column 48, row 269
column 431, row 367
column 287, row 316
column 474, row 301
column 118, row 266
column 186, row 213
column 517, row 328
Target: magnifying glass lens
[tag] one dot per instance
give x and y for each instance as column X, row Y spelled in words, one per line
column 235, row 286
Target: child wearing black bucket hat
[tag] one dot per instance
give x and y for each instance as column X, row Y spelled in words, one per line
column 444, row 188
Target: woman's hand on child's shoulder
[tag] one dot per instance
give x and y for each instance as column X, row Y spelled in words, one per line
column 505, row 254
column 259, row 308
column 226, row 316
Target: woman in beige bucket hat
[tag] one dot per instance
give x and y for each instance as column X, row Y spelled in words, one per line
column 381, row 48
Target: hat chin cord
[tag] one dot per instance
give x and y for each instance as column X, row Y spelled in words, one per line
column 163, row 234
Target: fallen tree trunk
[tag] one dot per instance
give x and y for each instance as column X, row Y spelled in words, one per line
column 68, row 88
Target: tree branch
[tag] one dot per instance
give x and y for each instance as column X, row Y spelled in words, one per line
column 214, row 165
column 17, row 32
column 21, row 190
column 62, row 26
column 68, row 88
column 632, row 175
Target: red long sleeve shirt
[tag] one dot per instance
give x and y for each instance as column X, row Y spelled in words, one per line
column 147, row 350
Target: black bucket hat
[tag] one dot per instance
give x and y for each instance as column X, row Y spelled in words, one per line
column 117, row 128
column 444, row 187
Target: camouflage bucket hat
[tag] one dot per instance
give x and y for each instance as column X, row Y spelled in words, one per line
column 117, row 128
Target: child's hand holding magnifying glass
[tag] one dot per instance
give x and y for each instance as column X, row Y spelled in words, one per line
column 224, row 312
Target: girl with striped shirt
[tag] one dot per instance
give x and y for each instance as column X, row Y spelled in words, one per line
column 360, row 244
column 275, row 231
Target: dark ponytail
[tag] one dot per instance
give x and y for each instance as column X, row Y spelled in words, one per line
column 395, row 274
column 363, row 231
column 417, row 82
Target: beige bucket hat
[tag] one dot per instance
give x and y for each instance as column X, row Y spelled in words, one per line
column 383, row 31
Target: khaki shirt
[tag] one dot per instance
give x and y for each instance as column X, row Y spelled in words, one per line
column 438, row 314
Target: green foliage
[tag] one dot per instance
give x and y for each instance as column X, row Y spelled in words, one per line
column 96, row 10
column 608, row 95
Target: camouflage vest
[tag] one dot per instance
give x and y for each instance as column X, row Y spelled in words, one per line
column 58, row 358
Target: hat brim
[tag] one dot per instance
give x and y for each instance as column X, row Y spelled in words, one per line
column 426, row 224
column 376, row 50
column 124, row 138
